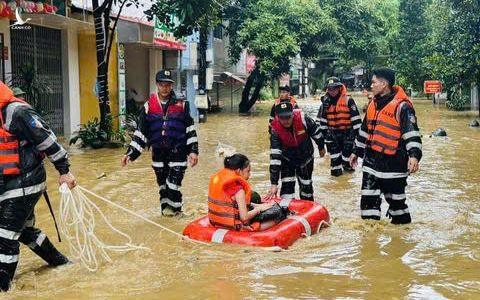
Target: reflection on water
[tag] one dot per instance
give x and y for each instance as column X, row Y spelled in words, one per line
column 435, row 257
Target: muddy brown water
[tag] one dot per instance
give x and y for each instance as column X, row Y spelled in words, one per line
column 436, row 257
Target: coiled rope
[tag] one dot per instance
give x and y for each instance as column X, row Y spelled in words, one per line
column 77, row 225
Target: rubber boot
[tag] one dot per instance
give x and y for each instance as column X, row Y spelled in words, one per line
column 336, row 173
column 347, row 168
column 50, row 254
column 4, row 281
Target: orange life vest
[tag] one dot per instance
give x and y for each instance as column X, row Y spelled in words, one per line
column 222, row 209
column 288, row 138
column 338, row 116
column 9, row 144
column 292, row 100
column 384, row 126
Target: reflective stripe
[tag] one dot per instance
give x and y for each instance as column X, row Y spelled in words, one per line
column 49, row 141
column 323, row 127
column 410, row 134
column 19, row 192
column 385, row 135
column 363, row 133
column 318, row 136
column 140, row 136
column 9, row 235
column 304, row 222
column 371, row 192
column 288, row 179
column 398, row 212
column 306, row 195
column 336, row 168
column 396, row 196
column 10, row 111
column 57, row 156
column 345, row 158
column 190, row 128
column 192, row 140
column 222, row 214
column 157, row 164
column 333, row 156
column 9, row 152
column 276, row 162
column 177, row 164
column 41, row 237
column 163, row 187
column 356, row 126
column 323, row 120
column 171, row 203
column 285, row 202
column 356, row 118
column 146, row 107
column 8, row 259
column 219, row 235
column 287, row 196
column 136, row 146
column 358, row 144
column 305, row 181
column 276, row 151
column 414, row 145
column 371, row 212
column 173, row 186
column 384, row 175
column 222, row 203
column 384, row 124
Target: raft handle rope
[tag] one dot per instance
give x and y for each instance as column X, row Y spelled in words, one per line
column 77, row 220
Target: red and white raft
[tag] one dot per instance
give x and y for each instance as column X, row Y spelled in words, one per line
column 307, row 219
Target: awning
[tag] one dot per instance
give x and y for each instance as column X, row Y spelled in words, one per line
column 239, row 79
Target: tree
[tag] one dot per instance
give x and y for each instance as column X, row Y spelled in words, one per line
column 365, row 30
column 275, row 32
column 410, row 49
column 104, row 36
column 455, row 47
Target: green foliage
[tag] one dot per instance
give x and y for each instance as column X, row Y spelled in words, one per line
column 91, row 134
column 266, row 93
column 454, row 47
column 276, row 31
column 409, row 47
column 192, row 14
column 366, row 29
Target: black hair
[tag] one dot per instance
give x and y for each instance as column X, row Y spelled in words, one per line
column 386, row 74
column 236, row 161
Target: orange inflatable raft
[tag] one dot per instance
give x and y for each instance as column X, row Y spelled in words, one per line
column 307, row 218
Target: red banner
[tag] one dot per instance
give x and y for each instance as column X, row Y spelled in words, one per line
column 250, row 62
column 432, row 87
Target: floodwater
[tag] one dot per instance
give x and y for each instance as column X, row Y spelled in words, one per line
column 435, row 257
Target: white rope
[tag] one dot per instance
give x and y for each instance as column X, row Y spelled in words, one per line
column 77, row 225
column 142, row 217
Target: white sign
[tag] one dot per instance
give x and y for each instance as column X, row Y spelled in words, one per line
column 122, row 103
column 201, row 101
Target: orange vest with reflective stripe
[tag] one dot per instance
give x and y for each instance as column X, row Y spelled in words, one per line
column 9, row 144
column 292, row 100
column 384, row 126
column 338, row 116
column 222, row 209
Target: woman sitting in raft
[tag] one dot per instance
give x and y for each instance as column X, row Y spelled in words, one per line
column 230, row 199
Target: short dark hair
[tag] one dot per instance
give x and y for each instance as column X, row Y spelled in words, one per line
column 387, row 74
column 236, row 161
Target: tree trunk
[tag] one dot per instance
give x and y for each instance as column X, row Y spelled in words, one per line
column 101, row 34
column 255, row 79
column 202, row 64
